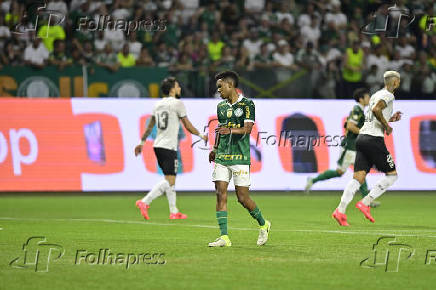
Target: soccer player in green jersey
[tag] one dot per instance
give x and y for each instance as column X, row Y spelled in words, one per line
column 354, row 122
column 232, row 155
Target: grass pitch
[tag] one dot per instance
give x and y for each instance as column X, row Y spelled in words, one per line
column 306, row 250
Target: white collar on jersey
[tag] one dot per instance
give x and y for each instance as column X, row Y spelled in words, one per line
column 362, row 107
column 237, row 101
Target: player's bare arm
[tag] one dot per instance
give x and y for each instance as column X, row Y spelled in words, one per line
column 248, row 126
column 147, row 132
column 396, row 117
column 212, row 154
column 353, row 128
column 377, row 110
column 191, row 129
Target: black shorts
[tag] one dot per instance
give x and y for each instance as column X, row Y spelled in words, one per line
column 167, row 160
column 370, row 151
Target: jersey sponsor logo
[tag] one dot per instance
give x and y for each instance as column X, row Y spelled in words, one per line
column 233, row 125
column 228, row 157
column 240, row 172
column 229, row 113
column 238, row 112
column 247, row 112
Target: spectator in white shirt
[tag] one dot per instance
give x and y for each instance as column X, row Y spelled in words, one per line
column 99, row 42
column 284, row 13
column 305, row 18
column 283, row 57
column 311, row 33
column 134, row 45
column 36, row 54
column 58, row 5
column 405, row 49
column 378, row 59
column 5, row 33
column 397, row 62
column 115, row 37
column 121, row 10
column 252, row 44
column 373, row 80
column 254, row 6
column 337, row 17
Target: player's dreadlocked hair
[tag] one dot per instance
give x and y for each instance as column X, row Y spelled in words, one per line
column 228, row 75
column 167, row 84
column 360, row 93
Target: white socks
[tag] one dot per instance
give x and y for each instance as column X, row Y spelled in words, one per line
column 159, row 189
column 171, row 195
column 379, row 188
column 351, row 188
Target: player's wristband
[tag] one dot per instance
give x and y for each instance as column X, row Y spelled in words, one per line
column 214, row 150
column 142, row 143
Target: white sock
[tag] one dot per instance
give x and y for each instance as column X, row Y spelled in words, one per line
column 349, row 191
column 380, row 188
column 157, row 191
column 171, row 195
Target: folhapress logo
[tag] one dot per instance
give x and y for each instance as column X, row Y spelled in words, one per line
column 382, row 21
column 38, row 254
column 387, row 253
column 38, row 9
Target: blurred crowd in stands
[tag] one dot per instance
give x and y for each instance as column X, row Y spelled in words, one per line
column 336, row 42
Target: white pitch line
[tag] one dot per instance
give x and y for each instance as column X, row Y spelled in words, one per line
column 355, row 232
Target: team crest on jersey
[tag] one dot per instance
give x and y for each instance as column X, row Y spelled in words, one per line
column 238, row 112
column 229, row 113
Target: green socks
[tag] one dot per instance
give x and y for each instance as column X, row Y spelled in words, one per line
column 221, row 217
column 326, row 175
column 257, row 215
column 364, row 189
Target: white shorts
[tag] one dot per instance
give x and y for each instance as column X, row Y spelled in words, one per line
column 346, row 159
column 240, row 173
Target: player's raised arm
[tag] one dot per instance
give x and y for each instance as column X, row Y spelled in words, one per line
column 147, row 132
column 191, row 129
